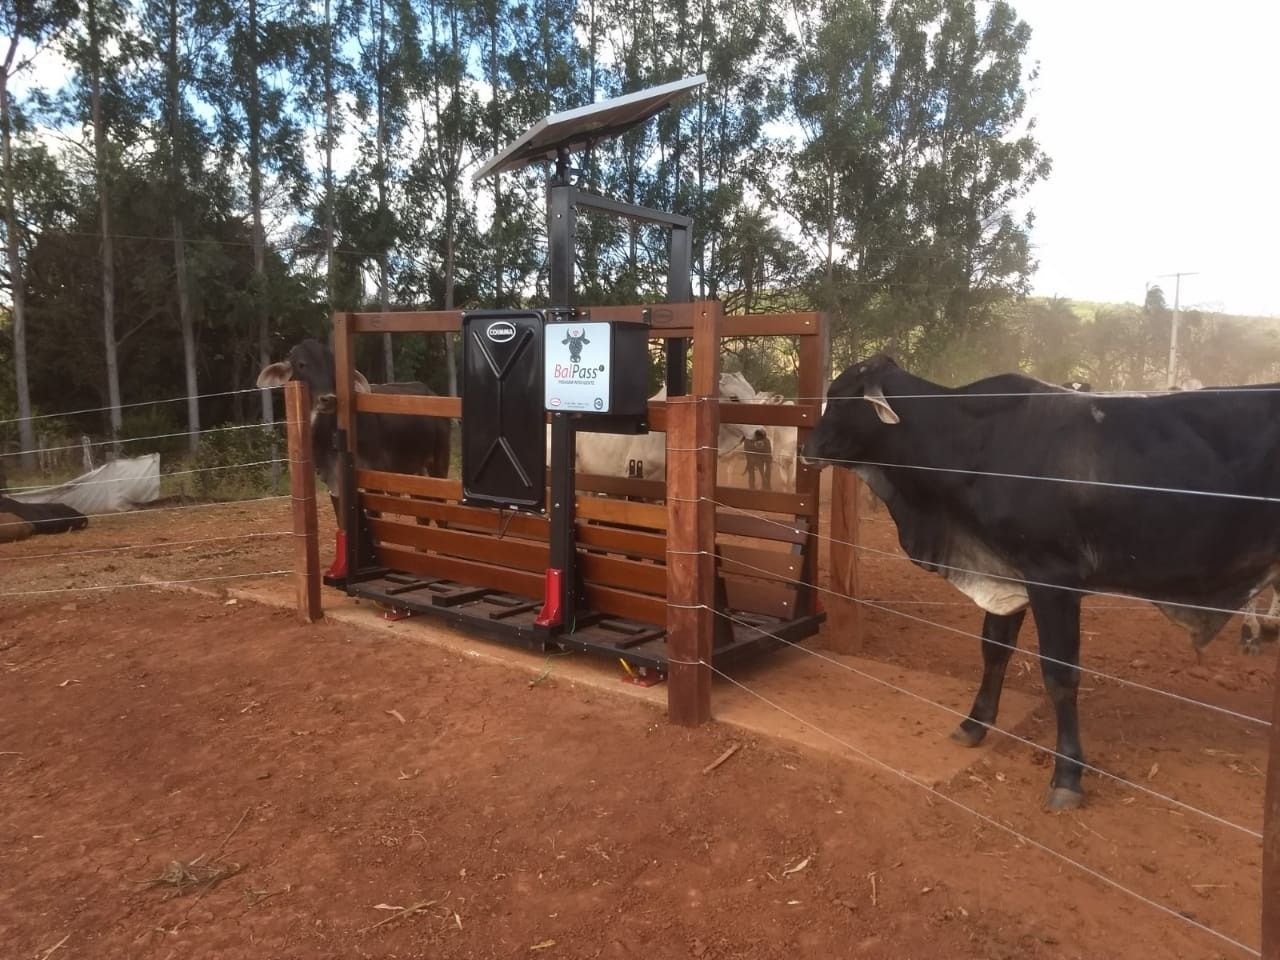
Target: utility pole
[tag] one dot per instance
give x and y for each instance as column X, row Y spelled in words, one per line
column 1173, row 333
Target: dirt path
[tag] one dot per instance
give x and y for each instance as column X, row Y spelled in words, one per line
column 138, row 726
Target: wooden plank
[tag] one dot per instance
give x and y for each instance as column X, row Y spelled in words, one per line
column 302, row 488
column 634, row 575
column 770, row 414
column 767, row 501
column 633, row 543
column 782, row 529
column 691, row 584
column 772, row 325
column 813, row 374
column 650, row 516
column 661, row 316
column 462, row 571
column 845, row 614
column 520, row 554
column 624, row 603
column 657, row 416
column 760, row 596
column 707, row 325
column 620, row 486
column 409, row 404
column 526, row 525
column 757, row 562
column 406, row 321
column 418, row 486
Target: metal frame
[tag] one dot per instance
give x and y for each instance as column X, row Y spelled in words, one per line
column 564, row 198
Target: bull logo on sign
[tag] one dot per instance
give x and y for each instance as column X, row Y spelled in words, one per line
column 576, row 339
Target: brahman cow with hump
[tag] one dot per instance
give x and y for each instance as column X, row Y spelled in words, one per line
column 644, row 456
column 396, row 443
column 1026, row 494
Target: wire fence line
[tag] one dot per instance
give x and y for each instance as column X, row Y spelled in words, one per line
column 903, row 774
column 1034, row 654
column 888, row 555
column 1107, row 484
column 1055, row 391
column 157, row 545
column 134, row 514
column 144, row 583
column 270, row 425
column 138, row 403
column 897, row 688
column 162, row 476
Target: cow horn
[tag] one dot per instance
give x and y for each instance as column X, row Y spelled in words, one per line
column 361, row 384
column 883, row 410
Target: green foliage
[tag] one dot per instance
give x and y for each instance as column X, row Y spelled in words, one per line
column 221, row 464
column 866, row 158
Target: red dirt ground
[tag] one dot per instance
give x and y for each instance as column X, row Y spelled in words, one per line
column 139, row 725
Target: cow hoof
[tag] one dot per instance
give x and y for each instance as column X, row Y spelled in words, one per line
column 969, row 737
column 1060, row 798
column 1249, row 648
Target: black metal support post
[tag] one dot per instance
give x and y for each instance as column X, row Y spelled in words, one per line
column 679, row 290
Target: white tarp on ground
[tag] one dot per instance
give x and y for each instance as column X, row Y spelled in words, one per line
column 118, row 485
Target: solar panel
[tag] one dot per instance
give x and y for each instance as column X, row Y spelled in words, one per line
column 580, row 127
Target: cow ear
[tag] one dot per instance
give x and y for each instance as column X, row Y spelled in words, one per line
column 275, row 375
column 361, row 384
column 883, row 410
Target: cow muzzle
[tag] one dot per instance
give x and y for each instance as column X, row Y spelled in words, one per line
column 326, row 403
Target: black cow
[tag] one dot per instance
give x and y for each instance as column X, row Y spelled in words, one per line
column 395, row 443
column 958, row 470
column 45, row 517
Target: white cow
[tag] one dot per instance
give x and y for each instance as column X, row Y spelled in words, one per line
column 1258, row 630
column 774, row 455
column 645, row 455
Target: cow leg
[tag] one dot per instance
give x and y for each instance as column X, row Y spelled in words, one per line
column 1250, row 629
column 1271, row 626
column 999, row 637
column 1057, row 614
column 1257, row 630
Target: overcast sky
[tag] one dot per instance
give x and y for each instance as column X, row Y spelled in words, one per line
column 1161, row 121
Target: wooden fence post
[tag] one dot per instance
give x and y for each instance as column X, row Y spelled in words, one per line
column 844, row 616
column 302, row 488
column 691, row 563
column 1271, row 835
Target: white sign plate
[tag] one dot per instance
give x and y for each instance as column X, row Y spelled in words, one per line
column 576, row 357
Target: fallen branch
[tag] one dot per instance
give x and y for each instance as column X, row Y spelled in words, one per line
column 722, row 758
column 49, row 953
column 399, row 914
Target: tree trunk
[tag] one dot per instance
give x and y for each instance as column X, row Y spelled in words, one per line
column 450, row 205
column 100, row 161
column 26, row 429
column 450, row 361
column 384, row 219
column 254, row 115
column 328, row 158
column 495, row 113
column 176, row 188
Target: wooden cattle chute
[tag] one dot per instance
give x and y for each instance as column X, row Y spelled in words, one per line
column 655, row 558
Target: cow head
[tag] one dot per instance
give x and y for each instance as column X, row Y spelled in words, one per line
column 735, row 389
column 312, row 363
column 847, row 425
